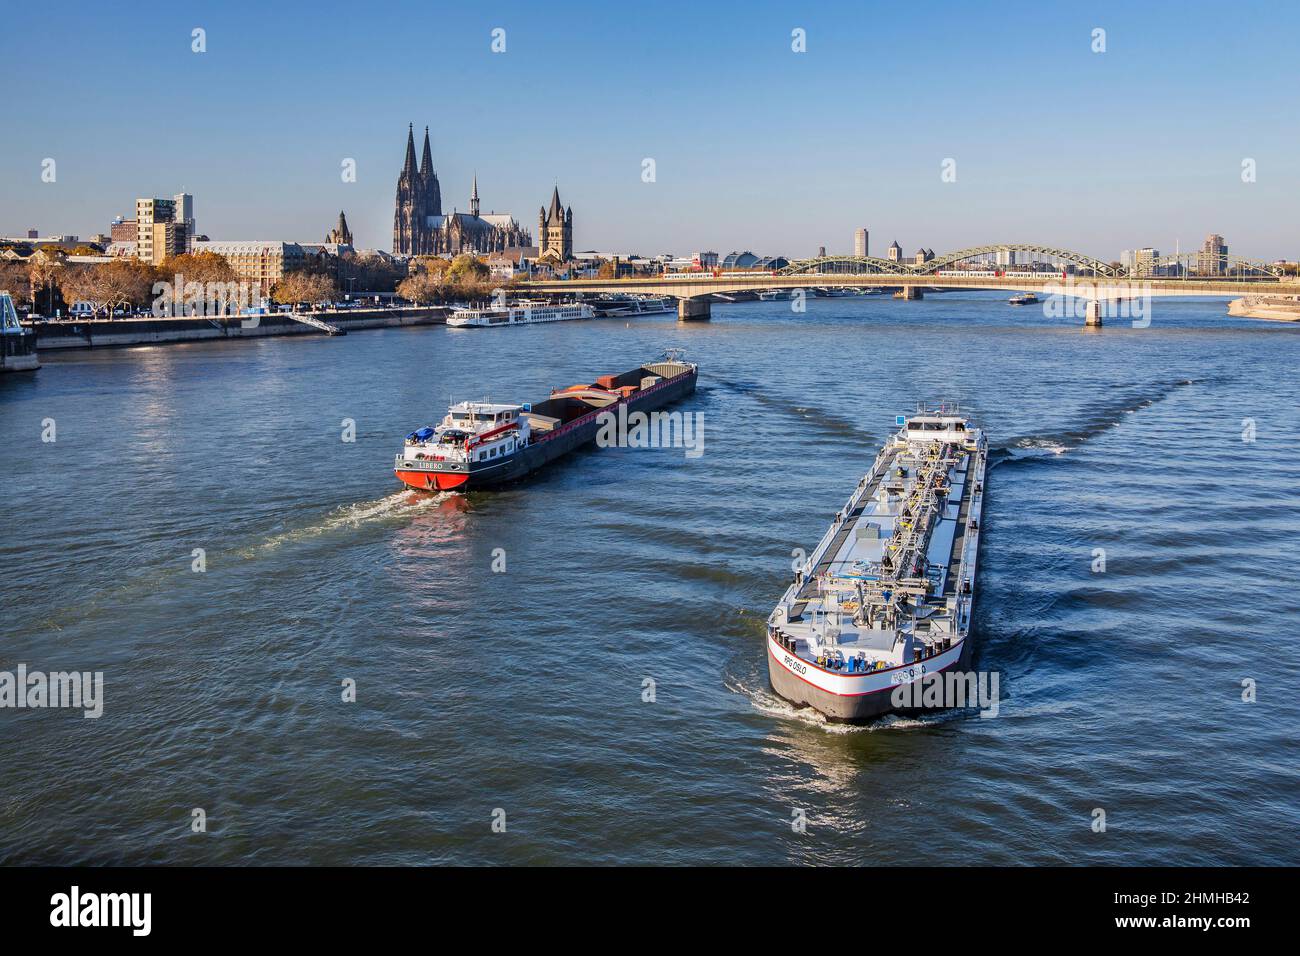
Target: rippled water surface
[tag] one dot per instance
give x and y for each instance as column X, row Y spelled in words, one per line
column 522, row 691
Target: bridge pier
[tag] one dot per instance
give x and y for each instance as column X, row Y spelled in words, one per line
column 1092, row 314
column 694, row 310
column 911, row 292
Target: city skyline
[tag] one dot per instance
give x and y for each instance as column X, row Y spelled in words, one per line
column 754, row 145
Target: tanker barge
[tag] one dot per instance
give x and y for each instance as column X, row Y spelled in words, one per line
column 482, row 445
column 886, row 596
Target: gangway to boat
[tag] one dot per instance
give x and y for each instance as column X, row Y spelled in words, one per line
column 316, row 323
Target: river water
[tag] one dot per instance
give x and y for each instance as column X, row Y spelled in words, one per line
column 518, row 696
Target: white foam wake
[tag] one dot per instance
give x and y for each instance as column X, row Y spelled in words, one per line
column 766, row 702
column 398, row 504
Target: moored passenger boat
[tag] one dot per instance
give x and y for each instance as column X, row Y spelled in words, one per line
column 519, row 313
column 886, row 596
column 481, row 444
column 618, row 306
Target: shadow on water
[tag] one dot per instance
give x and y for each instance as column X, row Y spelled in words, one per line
column 809, row 415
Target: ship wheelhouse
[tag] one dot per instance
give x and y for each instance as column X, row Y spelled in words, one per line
column 471, row 432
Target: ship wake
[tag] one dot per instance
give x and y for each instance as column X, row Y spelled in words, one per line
column 1094, row 422
column 355, row 515
column 763, row 700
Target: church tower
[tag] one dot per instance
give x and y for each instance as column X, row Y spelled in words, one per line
column 473, row 199
column 410, row 228
column 340, row 234
column 555, row 230
column 429, row 179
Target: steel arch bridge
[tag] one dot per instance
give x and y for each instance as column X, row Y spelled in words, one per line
column 1181, row 265
column 873, row 264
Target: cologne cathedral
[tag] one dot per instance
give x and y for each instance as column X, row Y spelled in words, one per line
column 420, row 228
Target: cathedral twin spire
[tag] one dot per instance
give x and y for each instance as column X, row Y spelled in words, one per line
column 418, row 197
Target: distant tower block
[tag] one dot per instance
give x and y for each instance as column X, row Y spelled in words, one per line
column 861, row 245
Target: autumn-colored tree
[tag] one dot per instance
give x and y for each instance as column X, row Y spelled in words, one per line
column 468, row 276
column 362, row 273
column 300, row 286
column 16, row 280
column 124, row 282
column 198, row 267
column 422, row 288
column 42, row 277
column 467, row 267
column 434, row 265
column 77, row 284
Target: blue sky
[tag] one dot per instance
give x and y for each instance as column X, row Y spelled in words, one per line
column 755, row 146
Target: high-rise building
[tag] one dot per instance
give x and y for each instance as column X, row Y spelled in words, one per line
column 1006, row 257
column 1212, row 260
column 1144, row 261
column 184, row 204
column 123, row 230
column 168, row 239
column 148, row 212
column 860, row 243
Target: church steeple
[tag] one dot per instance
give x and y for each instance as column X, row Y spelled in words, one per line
column 426, row 160
column 409, row 166
column 473, row 198
column 429, row 181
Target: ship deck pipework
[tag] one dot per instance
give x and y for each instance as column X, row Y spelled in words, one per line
column 884, row 586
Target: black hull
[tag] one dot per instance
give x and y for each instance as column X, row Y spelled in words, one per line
column 541, row 453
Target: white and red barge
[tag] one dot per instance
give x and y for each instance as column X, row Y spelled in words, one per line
column 886, row 596
column 482, row 444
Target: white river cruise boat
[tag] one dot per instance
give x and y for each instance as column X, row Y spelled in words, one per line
column 519, row 313
column 886, row 596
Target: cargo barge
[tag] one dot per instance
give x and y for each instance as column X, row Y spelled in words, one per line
column 886, row 596
column 483, row 445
